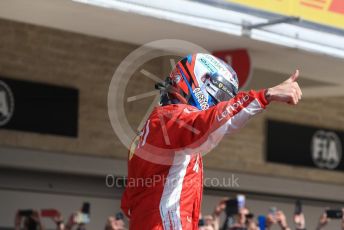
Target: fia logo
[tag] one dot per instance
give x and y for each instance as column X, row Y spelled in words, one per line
column 6, row 103
column 326, row 149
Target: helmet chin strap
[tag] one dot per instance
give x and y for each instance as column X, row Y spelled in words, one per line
column 180, row 98
column 169, row 94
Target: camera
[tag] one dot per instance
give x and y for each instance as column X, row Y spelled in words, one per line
column 201, row 223
column 119, row 216
column 233, row 206
column 334, row 214
column 298, row 207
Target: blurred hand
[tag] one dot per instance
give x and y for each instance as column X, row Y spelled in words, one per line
column 281, row 220
column 221, row 206
column 114, row 224
column 287, row 92
column 71, row 221
column 120, row 225
column 17, row 221
column 323, row 220
column 58, row 219
column 35, row 216
column 299, row 220
column 343, row 219
column 270, row 220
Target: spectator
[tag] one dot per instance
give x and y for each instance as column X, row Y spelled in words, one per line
column 270, row 221
column 208, row 223
column 343, row 219
column 251, row 224
column 71, row 223
column 219, row 208
column 241, row 217
column 212, row 222
column 114, row 224
column 299, row 221
column 30, row 222
column 277, row 218
column 282, row 220
column 239, row 220
column 323, row 221
column 58, row 219
column 242, row 220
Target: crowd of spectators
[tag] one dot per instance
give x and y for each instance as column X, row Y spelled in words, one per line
column 244, row 219
column 31, row 220
column 239, row 218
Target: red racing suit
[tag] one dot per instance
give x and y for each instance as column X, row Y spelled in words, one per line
column 165, row 172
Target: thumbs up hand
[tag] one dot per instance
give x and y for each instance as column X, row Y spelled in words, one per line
column 288, row 91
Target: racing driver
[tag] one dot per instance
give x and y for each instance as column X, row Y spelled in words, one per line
column 200, row 103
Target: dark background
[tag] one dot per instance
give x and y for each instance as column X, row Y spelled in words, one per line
column 290, row 144
column 43, row 108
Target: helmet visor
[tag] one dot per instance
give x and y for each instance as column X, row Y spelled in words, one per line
column 220, row 89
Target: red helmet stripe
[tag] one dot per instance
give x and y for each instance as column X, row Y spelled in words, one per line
column 191, row 70
column 182, row 85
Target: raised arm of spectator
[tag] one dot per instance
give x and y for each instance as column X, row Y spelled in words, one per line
column 70, row 223
column 58, row 219
column 323, row 220
column 343, row 219
column 299, row 221
column 282, row 220
column 35, row 216
column 219, row 208
column 17, row 221
column 270, row 221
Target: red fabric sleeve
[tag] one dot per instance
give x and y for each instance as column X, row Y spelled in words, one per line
column 187, row 129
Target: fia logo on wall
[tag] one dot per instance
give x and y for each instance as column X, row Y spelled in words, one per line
column 326, row 149
column 6, row 103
